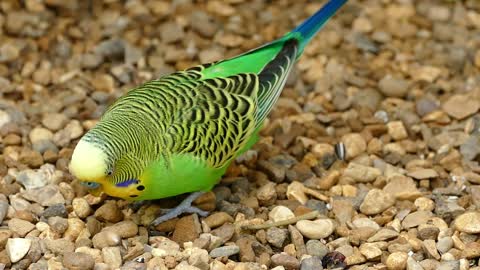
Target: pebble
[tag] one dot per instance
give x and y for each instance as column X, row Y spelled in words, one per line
column 382, row 235
column 397, row 130
column 59, row 246
column 312, row 263
column 317, row 229
column 424, row 204
column 164, row 247
column 267, row 194
column 81, row 207
column 17, row 248
column 187, row 229
column 3, row 210
column 105, row 239
column 58, row 224
column 416, row 218
column 354, row 144
column 444, row 244
column 431, row 249
column 124, row 229
column 78, row 261
column 199, row 258
column 45, row 196
column 402, row 188
column 316, row 248
column 225, row 251
column 461, row 106
column 218, row 219
column 423, row 174
column 279, row 213
column 361, row 173
column 112, row 256
column 109, row 212
column 56, row 210
column 277, row 236
column 468, row 222
column 32, row 179
column 376, row 201
column 20, row 226
column 392, row 86
column 285, row 260
column 397, row 261
column 54, row 121
column 40, row 134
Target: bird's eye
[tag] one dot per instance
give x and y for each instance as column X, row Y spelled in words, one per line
column 91, row 185
column 110, row 172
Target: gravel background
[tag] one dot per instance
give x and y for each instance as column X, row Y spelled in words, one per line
column 397, row 82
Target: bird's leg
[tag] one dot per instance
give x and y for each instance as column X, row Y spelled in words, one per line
column 136, row 205
column 184, row 207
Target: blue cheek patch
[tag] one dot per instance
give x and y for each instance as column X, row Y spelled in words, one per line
column 127, row 183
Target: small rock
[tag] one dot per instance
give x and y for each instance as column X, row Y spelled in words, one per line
column 312, row 263
column 165, row 247
column 32, row 179
column 171, row 32
column 246, row 251
column 279, row 213
column 365, row 223
column 361, row 173
column 461, row 106
column 471, row 251
column 3, row 210
column 20, row 226
column 81, row 207
column 45, row 196
column 317, row 229
column 58, row 224
column 397, row 130
column 382, row 235
column 54, row 121
column 39, row 134
column 59, row 246
column 393, row 87
column 17, row 248
column 370, row 251
column 276, row 236
column 376, row 201
column 424, row 204
column 56, row 210
column 355, row 145
column 416, row 218
column 285, row 260
column 267, row 194
column 275, row 171
column 112, row 256
column 225, row 251
column 218, row 219
column 124, row 229
column 431, row 249
column 413, row 265
column 444, row 244
column 423, row 174
column 402, row 188
column 468, row 222
column 109, row 212
column 316, row 248
column 105, row 239
column 397, row 261
column 78, row 261
column 199, row 258
column 187, row 229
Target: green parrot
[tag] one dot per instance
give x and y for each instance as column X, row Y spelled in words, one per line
column 179, row 133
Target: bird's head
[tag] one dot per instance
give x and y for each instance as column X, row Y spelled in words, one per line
column 99, row 172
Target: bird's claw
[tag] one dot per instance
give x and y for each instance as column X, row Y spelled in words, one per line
column 184, row 207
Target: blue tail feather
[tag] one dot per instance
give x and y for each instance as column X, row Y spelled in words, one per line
column 313, row 24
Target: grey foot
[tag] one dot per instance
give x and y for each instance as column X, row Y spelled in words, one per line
column 184, row 207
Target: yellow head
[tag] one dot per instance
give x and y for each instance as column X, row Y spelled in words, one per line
column 92, row 166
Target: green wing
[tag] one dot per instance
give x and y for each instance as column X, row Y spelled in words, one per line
column 212, row 117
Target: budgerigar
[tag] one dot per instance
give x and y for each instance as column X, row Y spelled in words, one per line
column 178, row 134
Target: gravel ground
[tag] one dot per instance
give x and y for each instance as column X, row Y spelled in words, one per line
column 397, row 82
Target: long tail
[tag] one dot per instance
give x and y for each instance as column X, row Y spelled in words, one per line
column 307, row 30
